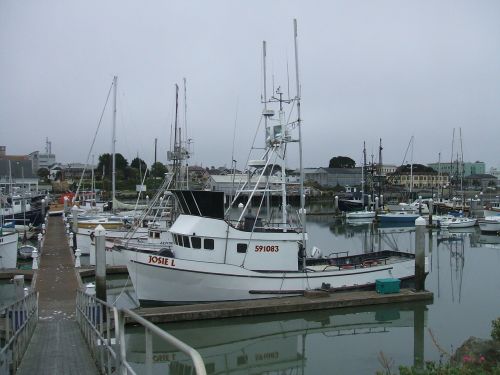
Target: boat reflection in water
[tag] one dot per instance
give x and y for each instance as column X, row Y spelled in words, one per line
column 271, row 344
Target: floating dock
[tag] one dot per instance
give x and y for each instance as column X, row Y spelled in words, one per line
column 311, row 301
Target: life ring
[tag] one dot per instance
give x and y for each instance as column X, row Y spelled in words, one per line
column 92, row 236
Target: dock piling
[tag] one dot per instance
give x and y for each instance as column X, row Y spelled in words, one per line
column 34, row 255
column 19, row 286
column 43, row 207
column 420, row 254
column 100, row 262
column 78, row 263
column 431, row 209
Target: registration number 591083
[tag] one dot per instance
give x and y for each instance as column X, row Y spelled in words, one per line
column 267, row 248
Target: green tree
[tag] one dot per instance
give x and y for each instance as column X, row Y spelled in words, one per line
column 105, row 164
column 341, row 162
column 138, row 163
column 43, row 173
column 158, row 169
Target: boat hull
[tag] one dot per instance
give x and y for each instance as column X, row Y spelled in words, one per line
column 397, row 218
column 489, row 225
column 8, row 250
column 164, row 280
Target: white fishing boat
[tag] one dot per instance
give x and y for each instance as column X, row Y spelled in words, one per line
column 490, row 224
column 214, row 258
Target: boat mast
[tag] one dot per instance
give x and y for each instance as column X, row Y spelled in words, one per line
column 450, row 188
column 462, row 170
column 439, row 175
column 411, row 167
column 299, row 124
column 185, row 131
column 113, row 145
column 363, row 176
column 266, row 115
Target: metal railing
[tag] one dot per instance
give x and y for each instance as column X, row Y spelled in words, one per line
column 20, row 319
column 103, row 327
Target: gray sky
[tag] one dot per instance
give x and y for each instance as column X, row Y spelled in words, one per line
column 369, row 69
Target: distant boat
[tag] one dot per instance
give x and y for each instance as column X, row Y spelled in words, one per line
column 457, row 222
column 398, row 217
column 490, row 224
column 360, row 215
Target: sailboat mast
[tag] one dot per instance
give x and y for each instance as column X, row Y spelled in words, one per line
column 185, row 131
column 450, row 188
column 301, row 167
column 363, row 176
column 411, row 167
column 176, row 146
column 113, row 145
column 439, row 175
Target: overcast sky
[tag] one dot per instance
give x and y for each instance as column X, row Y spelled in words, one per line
column 369, row 69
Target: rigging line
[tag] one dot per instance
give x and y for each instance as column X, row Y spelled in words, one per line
column 253, row 140
column 93, row 141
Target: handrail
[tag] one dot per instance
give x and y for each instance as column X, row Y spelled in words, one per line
column 183, row 347
column 21, row 318
column 103, row 327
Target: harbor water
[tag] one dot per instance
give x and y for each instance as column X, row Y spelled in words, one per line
column 463, row 277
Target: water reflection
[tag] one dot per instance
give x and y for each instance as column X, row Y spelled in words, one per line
column 278, row 344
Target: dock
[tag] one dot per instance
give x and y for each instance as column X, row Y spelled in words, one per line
column 310, row 301
column 57, row 345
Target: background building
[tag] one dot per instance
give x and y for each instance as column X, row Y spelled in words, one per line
column 453, row 169
column 43, row 160
column 332, row 177
column 16, row 172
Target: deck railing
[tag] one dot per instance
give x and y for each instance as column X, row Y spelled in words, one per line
column 19, row 323
column 103, row 327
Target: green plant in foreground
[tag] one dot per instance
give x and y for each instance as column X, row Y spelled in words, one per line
column 495, row 329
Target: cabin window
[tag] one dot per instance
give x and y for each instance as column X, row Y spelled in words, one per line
column 196, row 242
column 150, row 234
column 157, row 234
column 208, row 244
column 241, row 248
column 177, row 240
column 185, row 239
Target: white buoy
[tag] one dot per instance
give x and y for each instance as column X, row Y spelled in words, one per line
column 240, row 205
column 43, row 228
